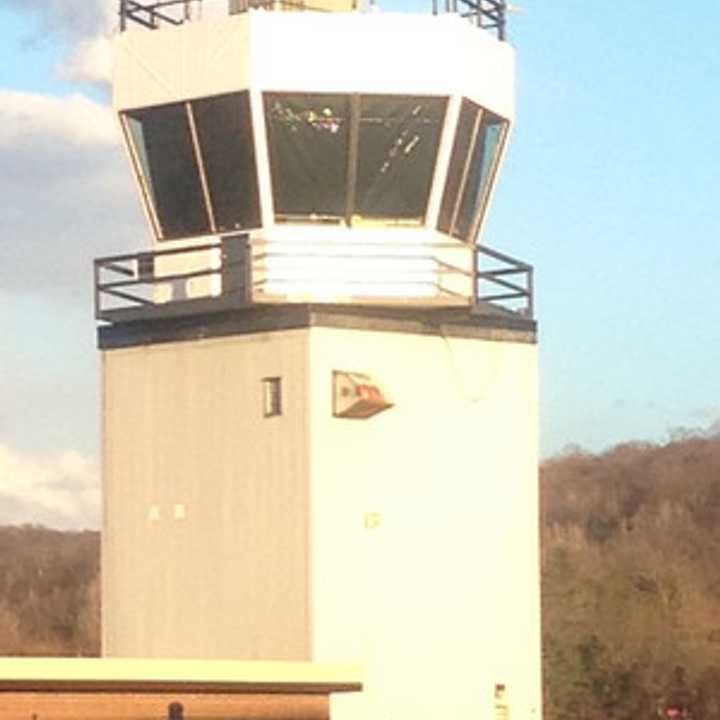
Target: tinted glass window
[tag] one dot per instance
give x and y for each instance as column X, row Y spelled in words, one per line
column 458, row 163
column 397, row 148
column 224, row 131
column 487, row 144
column 163, row 144
column 308, row 147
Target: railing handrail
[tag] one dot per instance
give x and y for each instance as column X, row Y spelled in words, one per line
column 126, row 276
column 157, row 253
column 497, row 255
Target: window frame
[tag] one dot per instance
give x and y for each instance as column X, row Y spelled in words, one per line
column 149, row 197
column 477, row 213
column 355, row 104
column 272, row 396
column 489, row 185
column 283, row 218
column 149, row 194
column 443, row 101
column 244, row 115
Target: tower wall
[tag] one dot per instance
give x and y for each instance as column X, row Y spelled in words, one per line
column 314, row 52
column 205, row 541
column 425, row 524
column 407, row 542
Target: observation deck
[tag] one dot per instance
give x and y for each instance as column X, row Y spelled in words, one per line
column 238, row 273
column 287, row 157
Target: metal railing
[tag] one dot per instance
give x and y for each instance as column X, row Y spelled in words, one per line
column 153, row 14
column 490, row 15
column 518, row 289
column 237, row 272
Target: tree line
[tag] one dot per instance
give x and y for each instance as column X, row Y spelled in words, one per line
column 49, row 592
column 630, row 584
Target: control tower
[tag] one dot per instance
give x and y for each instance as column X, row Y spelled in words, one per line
column 319, row 386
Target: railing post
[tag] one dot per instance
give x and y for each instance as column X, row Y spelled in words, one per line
column 475, row 275
column 248, row 267
column 531, row 293
column 96, row 290
column 236, row 266
column 502, row 20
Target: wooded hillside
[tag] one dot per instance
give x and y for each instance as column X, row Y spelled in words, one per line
column 631, row 584
column 49, row 595
column 631, row 581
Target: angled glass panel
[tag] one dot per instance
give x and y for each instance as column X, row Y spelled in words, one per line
column 458, row 163
column 397, row 149
column 308, row 138
column 163, row 145
column 480, row 173
column 224, row 130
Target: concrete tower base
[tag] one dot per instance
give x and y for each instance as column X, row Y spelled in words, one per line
column 237, row 526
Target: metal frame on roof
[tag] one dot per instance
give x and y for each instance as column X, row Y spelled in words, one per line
column 490, row 15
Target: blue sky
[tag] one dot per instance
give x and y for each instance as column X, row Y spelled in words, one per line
column 609, row 190
column 27, row 58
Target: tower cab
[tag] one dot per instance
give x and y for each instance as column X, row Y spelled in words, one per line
column 313, row 151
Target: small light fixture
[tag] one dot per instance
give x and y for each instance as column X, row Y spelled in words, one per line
column 356, row 395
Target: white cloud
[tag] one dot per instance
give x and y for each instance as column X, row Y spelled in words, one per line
column 59, row 490
column 91, row 61
column 68, row 19
column 82, row 26
column 67, row 198
column 67, row 193
column 27, row 119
